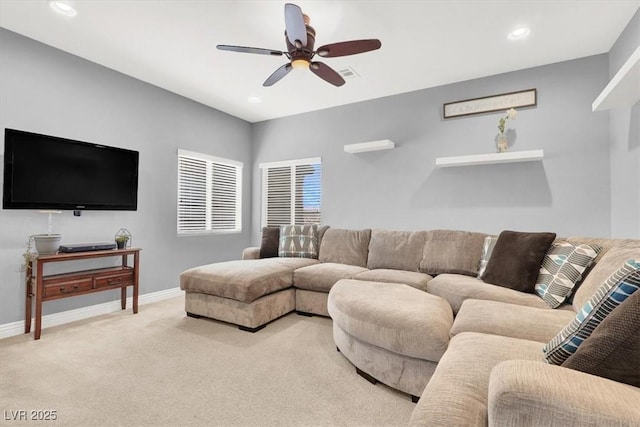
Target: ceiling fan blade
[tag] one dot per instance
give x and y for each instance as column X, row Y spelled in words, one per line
column 326, row 73
column 244, row 49
column 277, row 75
column 348, row 48
column 294, row 23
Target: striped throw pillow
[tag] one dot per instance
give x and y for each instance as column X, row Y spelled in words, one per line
column 617, row 288
column 562, row 267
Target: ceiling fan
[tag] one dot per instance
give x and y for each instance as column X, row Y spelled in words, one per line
column 300, row 38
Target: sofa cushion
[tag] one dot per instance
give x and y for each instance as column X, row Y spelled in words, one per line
column 530, row 393
column 321, row 230
column 411, row 278
column 457, row 394
column 618, row 287
column 321, row 277
column 245, row 280
column 392, row 316
column 605, row 266
column 451, row 251
column 613, row 349
column 516, row 259
column 345, row 246
column 562, row 268
column 298, row 241
column 456, row 288
column 604, row 243
column 252, row 252
column 510, row 320
column 398, row 250
column 270, row 242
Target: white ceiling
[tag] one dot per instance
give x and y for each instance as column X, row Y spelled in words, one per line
column 171, row 44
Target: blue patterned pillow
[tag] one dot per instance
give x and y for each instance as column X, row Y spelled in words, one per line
column 298, row 241
column 617, row 288
column 562, row 267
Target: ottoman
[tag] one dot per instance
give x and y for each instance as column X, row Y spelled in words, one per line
column 391, row 332
column 248, row 293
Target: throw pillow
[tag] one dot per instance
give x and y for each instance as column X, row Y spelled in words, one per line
column 562, row 268
column 298, row 241
column 270, row 242
column 516, row 259
column 487, row 250
column 613, row 349
column 618, row 287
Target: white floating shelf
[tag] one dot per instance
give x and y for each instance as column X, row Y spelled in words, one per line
column 363, row 147
column 490, row 159
column 624, row 88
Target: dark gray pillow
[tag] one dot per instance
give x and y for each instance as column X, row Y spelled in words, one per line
column 613, row 349
column 270, row 242
column 516, row 259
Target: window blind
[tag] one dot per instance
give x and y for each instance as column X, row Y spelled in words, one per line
column 209, row 194
column 291, row 192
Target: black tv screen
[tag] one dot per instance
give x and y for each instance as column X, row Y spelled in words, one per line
column 47, row 172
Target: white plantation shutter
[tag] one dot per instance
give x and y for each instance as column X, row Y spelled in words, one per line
column 291, row 192
column 278, row 196
column 209, row 194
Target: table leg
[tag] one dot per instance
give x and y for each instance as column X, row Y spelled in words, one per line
column 28, row 298
column 123, row 297
column 136, row 274
column 39, row 294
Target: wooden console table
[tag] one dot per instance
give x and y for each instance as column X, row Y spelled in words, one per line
column 56, row 286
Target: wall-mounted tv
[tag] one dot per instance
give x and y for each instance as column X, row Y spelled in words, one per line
column 47, row 172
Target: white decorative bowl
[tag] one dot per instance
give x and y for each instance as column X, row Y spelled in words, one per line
column 47, row 244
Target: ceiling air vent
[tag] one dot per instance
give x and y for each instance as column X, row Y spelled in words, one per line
column 348, row 73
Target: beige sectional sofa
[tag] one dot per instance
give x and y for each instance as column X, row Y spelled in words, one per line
column 409, row 311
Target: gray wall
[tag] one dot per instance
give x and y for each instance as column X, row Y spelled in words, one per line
column 569, row 192
column 624, row 131
column 45, row 90
column 579, row 189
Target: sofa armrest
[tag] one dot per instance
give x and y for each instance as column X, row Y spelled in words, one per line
column 251, row 253
column 534, row 393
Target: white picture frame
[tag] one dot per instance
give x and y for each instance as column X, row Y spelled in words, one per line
column 487, row 104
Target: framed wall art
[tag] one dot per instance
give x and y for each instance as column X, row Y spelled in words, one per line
column 487, row 104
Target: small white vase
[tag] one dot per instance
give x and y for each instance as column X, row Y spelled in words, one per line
column 47, row 244
column 502, row 143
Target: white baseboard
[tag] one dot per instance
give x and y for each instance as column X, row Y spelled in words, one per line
column 55, row 319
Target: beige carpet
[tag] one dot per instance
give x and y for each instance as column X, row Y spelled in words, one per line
column 159, row 367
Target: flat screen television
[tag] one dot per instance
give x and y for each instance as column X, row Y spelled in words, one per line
column 47, row 172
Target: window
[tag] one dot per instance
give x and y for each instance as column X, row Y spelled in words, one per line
column 209, row 194
column 291, row 192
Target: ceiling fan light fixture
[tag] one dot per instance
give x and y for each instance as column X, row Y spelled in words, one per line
column 63, row 8
column 300, row 64
column 300, row 40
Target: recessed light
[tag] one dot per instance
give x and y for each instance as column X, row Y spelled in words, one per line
column 63, row 8
column 254, row 99
column 519, row 33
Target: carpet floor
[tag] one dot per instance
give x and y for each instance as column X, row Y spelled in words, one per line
column 161, row 368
